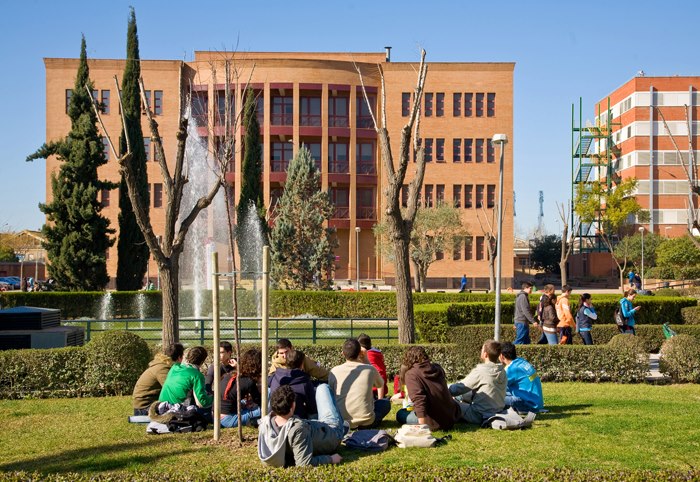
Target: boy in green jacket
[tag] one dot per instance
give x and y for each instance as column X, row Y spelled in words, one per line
column 185, row 383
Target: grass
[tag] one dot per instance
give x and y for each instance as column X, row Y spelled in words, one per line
column 590, row 426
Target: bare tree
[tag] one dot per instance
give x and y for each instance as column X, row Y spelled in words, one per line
column 166, row 253
column 567, row 240
column 400, row 224
column 490, row 231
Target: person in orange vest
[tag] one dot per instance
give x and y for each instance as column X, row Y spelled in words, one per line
column 566, row 320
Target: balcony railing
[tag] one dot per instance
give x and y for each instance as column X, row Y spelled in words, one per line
column 281, row 119
column 279, row 166
column 201, row 119
column 310, row 120
column 341, row 212
column 366, row 212
column 338, row 121
column 366, row 168
column 364, row 122
column 339, row 167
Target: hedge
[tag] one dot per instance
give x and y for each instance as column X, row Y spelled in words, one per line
column 680, row 358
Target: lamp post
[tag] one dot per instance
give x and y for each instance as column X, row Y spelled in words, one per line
column 641, row 230
column 501, row 140
column 357, row 256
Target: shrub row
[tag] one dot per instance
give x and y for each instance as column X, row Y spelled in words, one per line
column 680, row 358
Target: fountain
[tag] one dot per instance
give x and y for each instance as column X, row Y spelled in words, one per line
column 105, row 312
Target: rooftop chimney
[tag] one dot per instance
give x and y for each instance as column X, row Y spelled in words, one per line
column 388, row 53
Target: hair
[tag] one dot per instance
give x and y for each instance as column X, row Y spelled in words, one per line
column 351, row 349
column 282, row 399
column 566, row 289
column 630, row 292
column 548, row 288
column 174, row 351
column 508, row 351
column 413, row 355
column 283, row 343
column 295, row 359
column 526, row 285
column 493, row 350
column 196, row 355
column 251, row 363
column 552, row 298
column 583, row 298
column 226, row 346
column 365, row 341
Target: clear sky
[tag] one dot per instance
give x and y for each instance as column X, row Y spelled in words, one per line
column 562, row 50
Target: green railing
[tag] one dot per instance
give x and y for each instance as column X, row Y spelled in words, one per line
column 298, row 330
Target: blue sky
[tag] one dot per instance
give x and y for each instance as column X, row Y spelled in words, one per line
column 562, row 50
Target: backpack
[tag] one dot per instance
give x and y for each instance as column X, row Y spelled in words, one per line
column 619, row 319
column 368, row 440
column 415, row 436
column 509, row 420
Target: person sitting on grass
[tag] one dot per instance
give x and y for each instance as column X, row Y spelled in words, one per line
column 150, row 383
column 248, row 410
column 185, row 384
column 279, row 360
column 227, row 365
column 484, row 389
column 374, row 357
column 300, row 382
column 433, row 404
column 524, row 389
column 352, row 384
column 286, row 440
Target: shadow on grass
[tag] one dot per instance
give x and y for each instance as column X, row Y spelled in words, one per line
column 557, row 412
column 99, row 458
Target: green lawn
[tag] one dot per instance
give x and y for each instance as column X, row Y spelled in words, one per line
column 590, row 427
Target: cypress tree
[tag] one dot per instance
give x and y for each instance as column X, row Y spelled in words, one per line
column 77, row 235
column 132, row 250
column 251, row 172
column 302, row 247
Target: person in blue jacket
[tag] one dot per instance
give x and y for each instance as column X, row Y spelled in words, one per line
column 524, row 389
column 628, row 311
column 585, row 316
column 630, row 277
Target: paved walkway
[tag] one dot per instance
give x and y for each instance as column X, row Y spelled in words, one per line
column 655, row 376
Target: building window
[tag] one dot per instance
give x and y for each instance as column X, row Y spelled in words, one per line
column 365, row 203
column 405, row 104
column 281, row 155
column 456, row 150
column 315, row 149
column 468, row 248
column 490, row 196
column 148, row 101
column 221, row 108
column 457, row 104
column 282, row 111
column 105, row 148
column 200, row 108
column 480, row 105
column 338, row 158
column 468, row 144
column 158, row 195
column 104, row 195
column 404, row 195
column 491, row 104
column 310, row 110
column 147, row 147
column 479, row 201
column 490, row 151
column 440, row 194
column 158, row 102
column 364, row 158
column 340, row 197
column 457, row 248
column 260, row 107
column 479, row 150
column 428, row 150
column 440, row 104
column 338, row 112
column 69, row 94
column 440, row 150
column 457, row 195
column 95, row 97
column 364, row 115
column 275, row 195
column 428, row 104
column 439, row 255
column 105, row 102
column 468, row 101
column 479, row 248
column 468, row 194
column 428, row 195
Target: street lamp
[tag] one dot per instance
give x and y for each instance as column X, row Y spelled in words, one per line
column 357, row 256
column 501, row 140
column 641, row 230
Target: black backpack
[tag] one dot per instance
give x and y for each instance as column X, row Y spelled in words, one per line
column 619, row 319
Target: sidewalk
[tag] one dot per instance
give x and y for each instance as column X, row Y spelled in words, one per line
column 655, row 376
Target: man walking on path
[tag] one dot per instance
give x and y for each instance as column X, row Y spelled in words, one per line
column 523, row 316
column 463, row 284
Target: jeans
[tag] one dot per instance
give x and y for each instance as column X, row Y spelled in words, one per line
column 407, row 416
column 518, row 403
column 566, row 337
column 328, row 413
column 543, row 339
column 586, row 337
column 552, row 338
column 460, row 392
column 522, row 334
column 140, row 411
column 382, row 407
column 247, row 416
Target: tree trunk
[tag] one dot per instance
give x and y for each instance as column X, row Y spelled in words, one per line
column 170, row 286
column 562, row 270
column 404, row 297
column 417, row 282
column 492, row 276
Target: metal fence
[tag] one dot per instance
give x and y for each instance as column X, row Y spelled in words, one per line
column 298, row 330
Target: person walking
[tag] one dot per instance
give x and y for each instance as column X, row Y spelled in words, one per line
column 550, row 320
column 585, row 316
column 628, row 312
column 547, row 292
column 566, row 319
column 523, row 316
column 463, row 284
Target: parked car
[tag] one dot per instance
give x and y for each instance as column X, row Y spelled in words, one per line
column 4, row 286
column 12, row 282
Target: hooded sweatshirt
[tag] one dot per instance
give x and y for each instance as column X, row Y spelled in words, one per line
column 488, row 380
column 149, row 384
column 184, row 380
column 297, row 442
column 311, row 367
column 426, row 385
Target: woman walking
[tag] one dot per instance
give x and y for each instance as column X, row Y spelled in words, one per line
column 550, row 320
column 566, row 319
column 628, row 312
column 584, row 318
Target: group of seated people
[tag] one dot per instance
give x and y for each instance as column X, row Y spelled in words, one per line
column 312, row 408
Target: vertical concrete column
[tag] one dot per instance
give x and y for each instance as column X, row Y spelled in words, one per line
column 651, row 159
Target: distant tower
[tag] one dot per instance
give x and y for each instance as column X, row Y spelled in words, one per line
column 540, row 217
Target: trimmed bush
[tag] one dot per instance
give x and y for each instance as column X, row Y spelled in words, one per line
column 629, row 343
column 680, row 358
column 115, row 361
column 668, row 292
column 691, row 315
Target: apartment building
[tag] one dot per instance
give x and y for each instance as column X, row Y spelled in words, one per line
column 315, row 99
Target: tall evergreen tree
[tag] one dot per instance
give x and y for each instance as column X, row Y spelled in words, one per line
column 132, row 250
column 251, row 187
column 77, row 235
column 302, row 247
